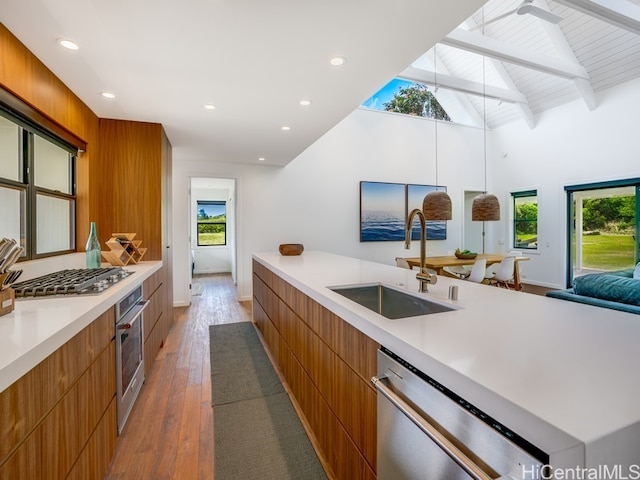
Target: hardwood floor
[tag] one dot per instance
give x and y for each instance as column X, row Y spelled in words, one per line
column 169, row 434
column 535, row 289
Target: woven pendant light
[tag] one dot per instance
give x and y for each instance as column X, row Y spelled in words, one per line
column 437, row 204
column 485, row 207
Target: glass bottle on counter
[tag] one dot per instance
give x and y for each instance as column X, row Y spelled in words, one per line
column 92, row 250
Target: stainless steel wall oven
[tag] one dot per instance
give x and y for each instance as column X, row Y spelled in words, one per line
column 129, row 352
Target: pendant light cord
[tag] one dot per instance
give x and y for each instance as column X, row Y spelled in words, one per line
column 484, row 109
column 435, row 117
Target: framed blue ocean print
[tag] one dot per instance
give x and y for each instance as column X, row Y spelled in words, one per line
column 436, row 229
column 382, row 211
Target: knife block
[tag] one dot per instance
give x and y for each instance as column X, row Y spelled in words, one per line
column 7, row 301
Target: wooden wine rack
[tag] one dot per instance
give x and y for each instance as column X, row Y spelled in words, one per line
column 123, row 249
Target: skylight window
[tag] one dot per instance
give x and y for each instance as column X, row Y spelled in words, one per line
column 410, row 98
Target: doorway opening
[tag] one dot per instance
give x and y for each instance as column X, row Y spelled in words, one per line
column 212, row 226
column 602, row 228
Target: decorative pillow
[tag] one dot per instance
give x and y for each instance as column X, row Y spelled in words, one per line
column 609, row 287
column 636, row 272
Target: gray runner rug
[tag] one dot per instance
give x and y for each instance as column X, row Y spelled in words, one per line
column 257, row 433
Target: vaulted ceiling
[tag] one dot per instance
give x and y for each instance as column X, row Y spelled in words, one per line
column 523, row 64
column 256, row 60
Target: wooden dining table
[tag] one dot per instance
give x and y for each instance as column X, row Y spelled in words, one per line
column 438, row 264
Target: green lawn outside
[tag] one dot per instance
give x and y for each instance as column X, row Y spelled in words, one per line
column 211, row 238
column 607, row 252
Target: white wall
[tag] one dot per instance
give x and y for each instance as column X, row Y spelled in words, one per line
column 569, row 145
column 315, row 199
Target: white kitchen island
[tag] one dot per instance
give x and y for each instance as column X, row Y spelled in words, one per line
column 562, row 375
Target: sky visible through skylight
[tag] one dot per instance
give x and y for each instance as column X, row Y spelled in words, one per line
column 385, row 94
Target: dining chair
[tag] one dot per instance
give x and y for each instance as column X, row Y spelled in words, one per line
column 459, row 271
column 491, row 269
column 402, row 263
column 504, row 273
column 477, row 272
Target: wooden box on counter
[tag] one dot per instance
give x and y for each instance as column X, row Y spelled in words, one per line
column 7, row 301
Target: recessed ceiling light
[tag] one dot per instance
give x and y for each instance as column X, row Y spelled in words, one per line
column 68, row 44
column 108, row 95
column 261, row 159
column 337, row 61
column 285, row 128
column 210, row 106
column 305, row 103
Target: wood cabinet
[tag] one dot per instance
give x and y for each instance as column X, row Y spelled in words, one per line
column 59, row 419
column 157, row 320
column 327, row 364
column 136, row 166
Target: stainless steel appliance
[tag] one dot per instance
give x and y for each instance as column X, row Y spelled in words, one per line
column 129, row 352
column 426, row 431
column 81, row 281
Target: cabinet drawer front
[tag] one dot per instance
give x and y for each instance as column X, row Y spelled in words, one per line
column 53, row 447
column 25, row 403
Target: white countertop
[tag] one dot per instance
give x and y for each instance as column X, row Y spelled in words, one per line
column 559, row 373
column 36, row 328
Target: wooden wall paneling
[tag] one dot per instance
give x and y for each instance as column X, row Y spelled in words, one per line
column 29, row 80
column 26, row 77
column 131, row 162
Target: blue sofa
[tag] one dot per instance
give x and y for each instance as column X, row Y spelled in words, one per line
column 616, row 290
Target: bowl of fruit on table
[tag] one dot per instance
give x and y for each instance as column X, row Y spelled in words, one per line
column 466, row 254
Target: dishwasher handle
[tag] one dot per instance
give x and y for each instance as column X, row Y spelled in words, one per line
column 440, row 440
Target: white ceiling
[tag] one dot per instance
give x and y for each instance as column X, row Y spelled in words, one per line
column 255, row 60
column 532, row 65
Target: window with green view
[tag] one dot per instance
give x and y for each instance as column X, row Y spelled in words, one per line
column 525, row 219
column 212, row 223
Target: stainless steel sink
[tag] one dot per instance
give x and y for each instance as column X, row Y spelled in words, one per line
column 389, row 302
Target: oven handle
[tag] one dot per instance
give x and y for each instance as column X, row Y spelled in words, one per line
column 440, row 440
column 129, row 323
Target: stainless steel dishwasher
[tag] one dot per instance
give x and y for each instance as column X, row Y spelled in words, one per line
column 426, row 431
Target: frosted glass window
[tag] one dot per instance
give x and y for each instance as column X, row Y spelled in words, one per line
column 54, row 224
column 52, row 166
column 37, row 191
column 10, row 150
column 11, row 220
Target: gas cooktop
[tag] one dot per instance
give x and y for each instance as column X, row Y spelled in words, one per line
column 90, row 281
